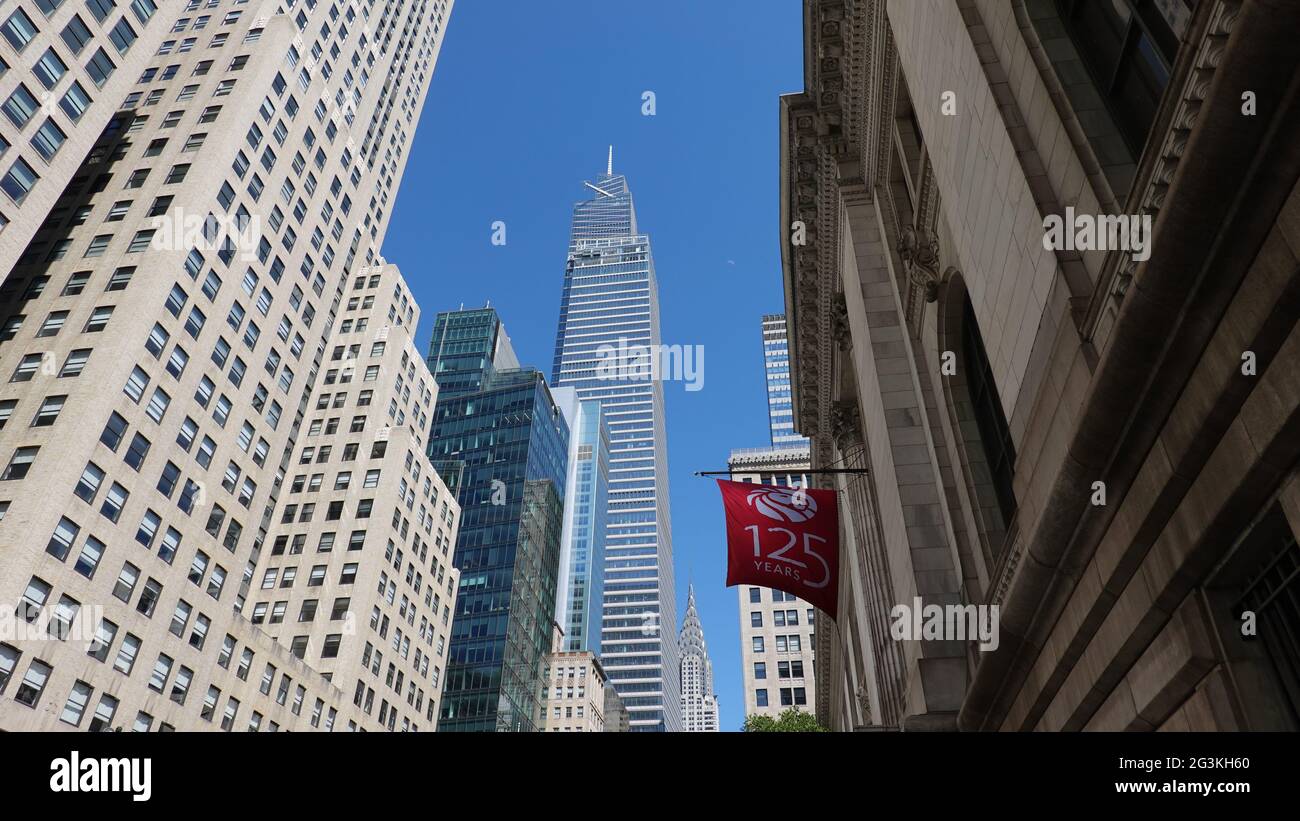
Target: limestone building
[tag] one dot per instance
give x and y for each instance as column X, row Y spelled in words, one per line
column 168, row 472
column 1094, row 429
column 64, row 70
column 575, row 691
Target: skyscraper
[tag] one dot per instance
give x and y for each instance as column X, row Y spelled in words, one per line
column 54, row 112
column 166, row 386
column 699, row 702
column 582, row 553
column 610, row 305
column 776, row 365
column 501, row 423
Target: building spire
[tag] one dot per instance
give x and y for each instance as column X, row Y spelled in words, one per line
column 609, row 167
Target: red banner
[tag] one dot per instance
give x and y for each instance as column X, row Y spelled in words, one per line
column 784, row 538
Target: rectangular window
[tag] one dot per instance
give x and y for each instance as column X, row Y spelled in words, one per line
column 33, row 684
column 19, row 30
column 100, row 67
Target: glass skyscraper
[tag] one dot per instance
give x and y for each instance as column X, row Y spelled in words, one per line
column 500, row 423
column 610, row 305
column 776, row 363
column 580, row 596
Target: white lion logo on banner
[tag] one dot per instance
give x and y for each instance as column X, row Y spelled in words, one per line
column 780, row 503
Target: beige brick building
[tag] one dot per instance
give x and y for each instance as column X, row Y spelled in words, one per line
column 211, row 387
column 574, row 692
column 1098, row 437
column 65, row 67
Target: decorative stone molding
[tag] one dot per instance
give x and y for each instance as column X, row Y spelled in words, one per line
column 1157, row 169
column 1007, row 565
column 846, row 428
column 840, row 329
column 919, row 249
column 864, row 703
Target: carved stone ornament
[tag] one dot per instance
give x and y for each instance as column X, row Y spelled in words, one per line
column 840, row 321
column 845, row 419
column 919, row 250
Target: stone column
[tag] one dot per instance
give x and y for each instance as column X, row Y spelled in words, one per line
column 867, row 571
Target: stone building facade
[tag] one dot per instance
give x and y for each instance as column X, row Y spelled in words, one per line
column 163, row 386
column 64, row 70
column 1098, row 437
column 575, row 692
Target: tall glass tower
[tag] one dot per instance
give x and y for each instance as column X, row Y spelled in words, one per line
column 581, row 592
column 501, row 424
column 776, row 363
column 610, row 306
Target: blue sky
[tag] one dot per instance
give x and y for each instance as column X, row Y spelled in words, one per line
column 524, row 102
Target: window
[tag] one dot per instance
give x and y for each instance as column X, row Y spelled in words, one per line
column 105, row 633
column 34, row 597
column 181, row 685
column 19, row 464
column 158, row 404
column 101, row 8
column 19, row 180
column 88, row 560
column 76, row 361
column 8, row 662
column 33, row 685
column 100, row 67
column 126, row 581
column 48, row 411
column 136, row 384
column 126, row 655
column 994, row 445
column 1128, row 46
column 98, row 245
column 149, row 598
column 141, row 241
column 18, row 30
column 75, row 34
column 122, row 36
column 120, row 278
column 48, row 139
column 65, row 533
column 75, row 101
column 49, row 68
column 114, row 501
column 20, row 106
column 209, row 708
column 98, row 320
column 26, row 368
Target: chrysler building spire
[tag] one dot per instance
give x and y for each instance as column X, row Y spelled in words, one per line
column 699, row 704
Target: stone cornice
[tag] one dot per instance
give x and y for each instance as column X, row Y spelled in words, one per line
column 823, row 136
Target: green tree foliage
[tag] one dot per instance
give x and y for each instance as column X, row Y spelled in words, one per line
column 792, row 720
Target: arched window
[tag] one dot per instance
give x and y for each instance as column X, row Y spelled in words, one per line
column 995, row 437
